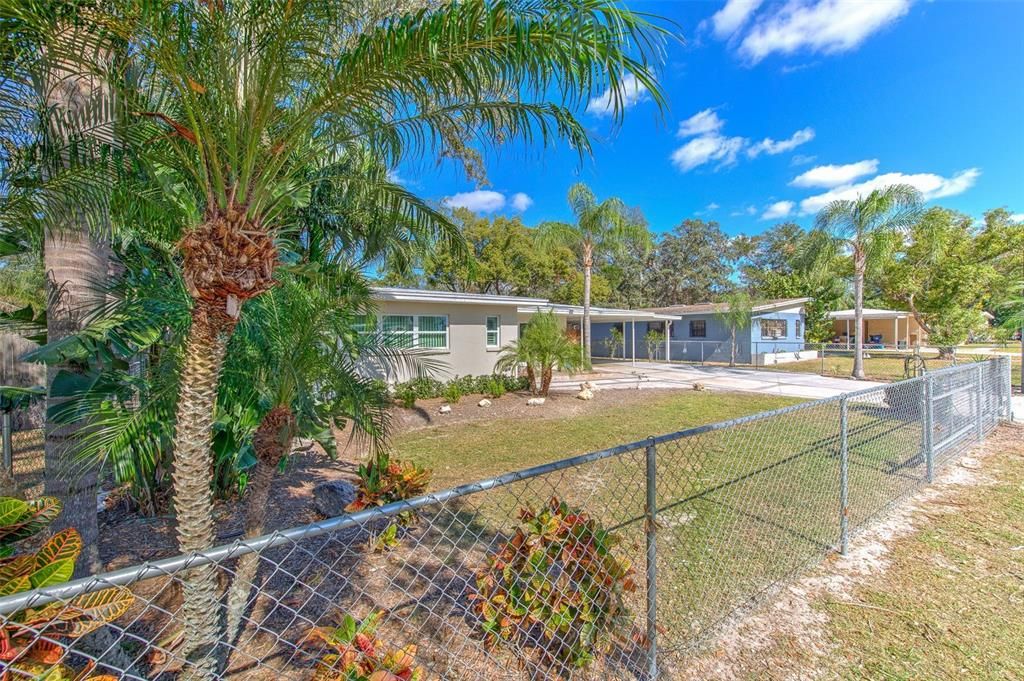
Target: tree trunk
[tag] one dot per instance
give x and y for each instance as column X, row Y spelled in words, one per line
column 858, row 315
column 193, row 497
column 75, row 263
column 273, row 440
column 588, row 263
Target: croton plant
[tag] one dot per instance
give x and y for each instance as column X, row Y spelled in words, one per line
column 31, row 640
column 384, row 480
column 555, row 586
column 360, row 655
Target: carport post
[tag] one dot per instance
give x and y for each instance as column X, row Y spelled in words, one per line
column 668, row 341
column 632, row 339
column 844, row 474
column 929, row 429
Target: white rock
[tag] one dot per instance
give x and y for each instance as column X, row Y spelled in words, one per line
column 698, row 386
column 484, row 403
column 445, row 409
column 535, row 402
column 585, row 394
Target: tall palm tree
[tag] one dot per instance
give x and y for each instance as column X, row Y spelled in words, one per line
column 602, row 229
column 736, row 315
column 233, row 101
column 869, row 227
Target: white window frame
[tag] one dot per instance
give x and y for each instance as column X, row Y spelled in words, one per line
column 415, row 333
column 497, row 332
column 785, row 329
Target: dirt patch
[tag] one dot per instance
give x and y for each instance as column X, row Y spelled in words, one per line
column 784, row 638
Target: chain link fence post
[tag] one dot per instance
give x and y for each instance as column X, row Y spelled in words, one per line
column 929, row 428
column 1008, row 387
column 844, row 477
column 651, row 531
column 8, row 446
column 979, row 426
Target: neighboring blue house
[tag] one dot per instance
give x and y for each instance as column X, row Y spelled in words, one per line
column 775, row 334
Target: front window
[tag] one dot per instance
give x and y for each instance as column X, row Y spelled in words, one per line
column 416, row 331
column 773, row 328
column 698, row 328
column 493, row 331
column 797, row 327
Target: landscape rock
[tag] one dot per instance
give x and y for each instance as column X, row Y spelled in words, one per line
column 587, row 385
column 444, row 409
column 535, row 401
column 699, row 386
column 331, row 498
column 484, row 403
column 585, row 394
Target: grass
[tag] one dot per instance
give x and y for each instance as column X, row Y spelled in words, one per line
column 949, row 605
column 472, row 451
column 877, row 367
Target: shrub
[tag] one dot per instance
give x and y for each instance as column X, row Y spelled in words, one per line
column 495, row 387
column 53, row 563
column 555, row 586
column 406, row 395
column 542, row 348
column 452, row 393
column 361, row 654
column 383, row 481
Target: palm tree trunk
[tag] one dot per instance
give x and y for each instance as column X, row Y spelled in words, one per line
column 858, row 316
column 588, row 263
column 193, row 497
column 273, row 440
column 74, row 264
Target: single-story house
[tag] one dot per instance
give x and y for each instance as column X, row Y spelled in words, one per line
column 462, row 334
column 775, row 333
column 893, row 328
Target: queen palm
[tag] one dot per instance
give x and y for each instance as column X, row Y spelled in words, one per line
column 233, row 101
column 869, row 227
column 602, row 228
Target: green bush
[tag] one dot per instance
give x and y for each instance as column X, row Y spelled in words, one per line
column 452, row 392
column 406, row 395
column 495, row 387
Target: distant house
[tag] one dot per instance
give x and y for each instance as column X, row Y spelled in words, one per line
column 775, row 334
column 881, row 327
column 462, row 334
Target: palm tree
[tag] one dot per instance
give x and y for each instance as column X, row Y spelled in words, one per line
column 735, row 315
column 869, row 227
column 541, row 349
column 602, row 229
column 233, row 102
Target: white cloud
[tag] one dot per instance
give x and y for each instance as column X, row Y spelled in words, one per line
column 730, row 18
column 749, row 210
column 479, row 201
column 712, row 206
column 709, row 144
column 827, row 26
column 394, row 177
column 772, row 147
column 835, row 175
column 701, row 123
column 521, row 201
column 930, row 185
column 802, row 159
column 1017, row 217
column 779, row 209
column 701, row 150
column 628, row 94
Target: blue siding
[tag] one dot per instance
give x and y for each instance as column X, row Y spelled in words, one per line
column 791, row 342
column 601, row 331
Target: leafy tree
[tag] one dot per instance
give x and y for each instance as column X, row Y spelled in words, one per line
column 776, row 251
column 691, row 264
column 1002, row 243
column 602, row 229
column 825, row 290
column 736, row 316
column 235, row 101
column 542, row 348
column 942, row 276
column 870, row 227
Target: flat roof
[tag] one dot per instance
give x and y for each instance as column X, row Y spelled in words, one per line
column 870, row 313
column 421, row 296
column 604, row 314
column 706, row 308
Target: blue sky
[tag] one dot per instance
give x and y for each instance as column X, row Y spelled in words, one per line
column 776, row 107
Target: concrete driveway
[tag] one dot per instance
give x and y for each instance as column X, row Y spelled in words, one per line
column 624, row 375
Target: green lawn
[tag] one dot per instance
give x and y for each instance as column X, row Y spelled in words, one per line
column 876, row 366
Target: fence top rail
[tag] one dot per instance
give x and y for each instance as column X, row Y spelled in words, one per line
column 166, row 566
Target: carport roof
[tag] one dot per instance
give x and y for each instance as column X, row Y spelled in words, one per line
column 705, row 308
column 870, row 313
column 599, row 314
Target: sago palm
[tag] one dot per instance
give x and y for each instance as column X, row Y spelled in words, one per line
column 542, row 349
column 869, row 227
column 602, row 229
column 233, row 101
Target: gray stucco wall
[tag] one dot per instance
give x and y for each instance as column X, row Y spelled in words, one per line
column 467, row 353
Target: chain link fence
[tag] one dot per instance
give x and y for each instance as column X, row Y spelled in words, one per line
column 650, row 547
